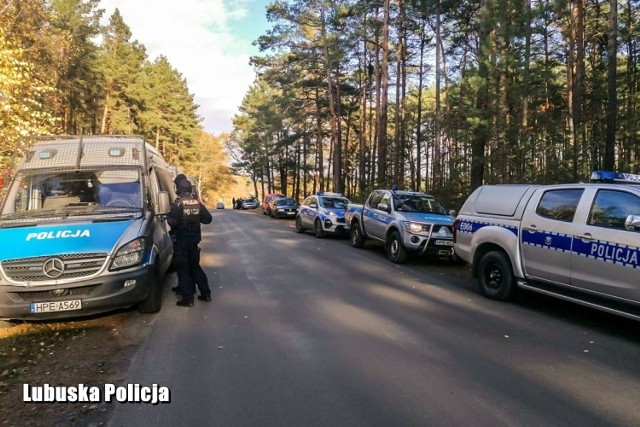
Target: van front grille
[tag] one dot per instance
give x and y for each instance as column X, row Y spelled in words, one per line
column 65, row 267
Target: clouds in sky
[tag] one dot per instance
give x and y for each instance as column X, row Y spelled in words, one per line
column 207, row 41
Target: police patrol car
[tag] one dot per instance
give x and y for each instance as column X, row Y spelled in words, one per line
column 578, row 242
column 323, row 213
column 83, row 229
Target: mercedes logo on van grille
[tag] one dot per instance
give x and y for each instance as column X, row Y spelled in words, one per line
column 53, row 267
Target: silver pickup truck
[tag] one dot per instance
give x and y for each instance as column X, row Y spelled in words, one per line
column 578, row 242
column 404, row 221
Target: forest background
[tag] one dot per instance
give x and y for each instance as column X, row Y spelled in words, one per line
column 433, row 95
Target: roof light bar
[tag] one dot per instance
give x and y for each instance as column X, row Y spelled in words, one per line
column 615, row 177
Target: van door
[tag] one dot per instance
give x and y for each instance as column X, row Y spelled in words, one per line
column 547, row 235
column 161, row 237
column 605, row 255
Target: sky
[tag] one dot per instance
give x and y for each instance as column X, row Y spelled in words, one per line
column 208, row 41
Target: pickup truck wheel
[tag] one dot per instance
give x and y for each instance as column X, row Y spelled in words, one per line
column 395, row 250
column 153, row 303
column 496, row 277
column 357, row 239
column 299, row 228
column 318, row 229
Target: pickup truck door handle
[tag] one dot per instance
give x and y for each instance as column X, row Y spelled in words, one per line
column 586, row 236
column 532, row 228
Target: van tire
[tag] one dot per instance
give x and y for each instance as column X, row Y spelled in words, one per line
column 356, row 237
column 495, row 276
column 396, row 252
column 299, row 228
column 153, row 303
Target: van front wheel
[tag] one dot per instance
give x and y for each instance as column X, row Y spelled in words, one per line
column 153, row 303
column 495, row 276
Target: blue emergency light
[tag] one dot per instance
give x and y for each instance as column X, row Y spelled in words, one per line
column 615, row 177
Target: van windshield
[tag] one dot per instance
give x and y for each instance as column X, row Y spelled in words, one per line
column 94, row 190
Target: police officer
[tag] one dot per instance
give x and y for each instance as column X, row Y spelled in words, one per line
column 185, row 217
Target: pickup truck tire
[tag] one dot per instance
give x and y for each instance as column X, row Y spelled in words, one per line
column 299, row 228
column 496, row 276
column 355, row 236
column 396, row 252
column 319, row 232
column 153, row 303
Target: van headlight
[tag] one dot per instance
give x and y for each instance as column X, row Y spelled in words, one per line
column 129, row 255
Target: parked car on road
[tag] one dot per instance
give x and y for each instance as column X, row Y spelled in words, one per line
column 323, row 213
column 250, row 203
column 285, row 207
column 266, row 203
column 404, row 221
column 220, row 205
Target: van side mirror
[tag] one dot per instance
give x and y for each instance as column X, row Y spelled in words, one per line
column 632, row 223
column 453, row 213
column 384, row 207
column 163, row 204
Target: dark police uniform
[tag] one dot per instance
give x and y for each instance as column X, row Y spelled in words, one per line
column 185, row 217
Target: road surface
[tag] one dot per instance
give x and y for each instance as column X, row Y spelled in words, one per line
column 312, row 332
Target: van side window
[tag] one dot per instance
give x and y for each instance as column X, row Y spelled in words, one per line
column 559, row 205
column 611, row 208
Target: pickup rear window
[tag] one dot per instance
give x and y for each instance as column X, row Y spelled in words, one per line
column 559, row 205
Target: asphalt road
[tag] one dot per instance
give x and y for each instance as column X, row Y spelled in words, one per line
column 312, row 332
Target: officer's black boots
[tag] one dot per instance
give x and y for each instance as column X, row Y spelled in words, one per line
column 185, row 302
column 205, row 297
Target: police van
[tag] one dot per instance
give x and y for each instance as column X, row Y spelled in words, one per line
column 83, row 228
column 578, row 242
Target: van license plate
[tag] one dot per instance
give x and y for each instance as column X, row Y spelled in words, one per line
column 47, row 307
column 444, row 242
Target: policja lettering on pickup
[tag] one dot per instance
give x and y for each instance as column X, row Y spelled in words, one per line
column 185, row 217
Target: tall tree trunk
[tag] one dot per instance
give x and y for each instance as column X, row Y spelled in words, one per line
column 437, row 161
column 319, row 145
column 578, row 85
column 383, row 179
column 612, row 103
column 418, row 184
column 480, row 136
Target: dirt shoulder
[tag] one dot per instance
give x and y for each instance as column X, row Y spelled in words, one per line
column 92, row 352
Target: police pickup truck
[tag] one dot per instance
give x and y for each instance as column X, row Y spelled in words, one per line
column 83, row 228
column 404, row 221
column 578, row 242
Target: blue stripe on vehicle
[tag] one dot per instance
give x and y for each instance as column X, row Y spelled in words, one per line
column 470, row 227
column 609, row 252
column 60, row 239
column 548, row 240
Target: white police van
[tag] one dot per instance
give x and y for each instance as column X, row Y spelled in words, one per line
column 579, row 242
column 83, row 228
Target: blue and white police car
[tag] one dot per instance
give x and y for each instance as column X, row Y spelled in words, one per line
column 323, row 213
